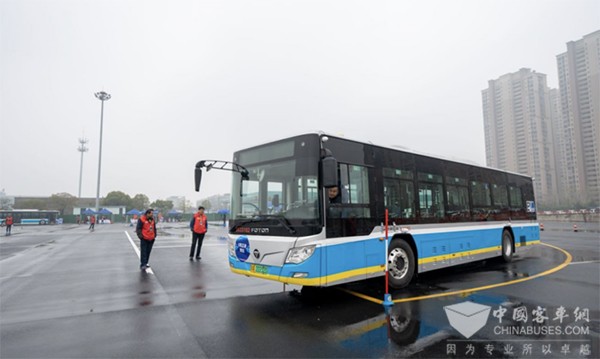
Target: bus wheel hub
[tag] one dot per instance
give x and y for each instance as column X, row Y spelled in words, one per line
column 398, row 263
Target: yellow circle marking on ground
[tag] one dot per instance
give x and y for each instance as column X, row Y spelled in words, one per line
column 568, row 260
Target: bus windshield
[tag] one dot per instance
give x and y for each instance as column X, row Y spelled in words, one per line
column 281, row 196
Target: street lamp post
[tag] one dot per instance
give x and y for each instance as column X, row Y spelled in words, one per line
column 102, row 96
column 82, row 149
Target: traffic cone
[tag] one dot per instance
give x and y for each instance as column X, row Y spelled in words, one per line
column 574, row 228
column 541, row 226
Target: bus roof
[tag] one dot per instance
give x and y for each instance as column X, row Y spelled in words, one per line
column 398, row 148
column 433, row 156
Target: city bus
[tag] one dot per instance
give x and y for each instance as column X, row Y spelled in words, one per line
column 285, row 227
column 29, row 216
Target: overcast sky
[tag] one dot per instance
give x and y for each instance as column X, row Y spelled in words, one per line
column 195, row 80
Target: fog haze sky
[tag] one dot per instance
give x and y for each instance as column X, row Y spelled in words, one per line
column 195, row 80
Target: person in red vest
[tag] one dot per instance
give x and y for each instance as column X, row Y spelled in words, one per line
column 9, row 223
column 146, row 232
column 92, row 222
column 198, row 225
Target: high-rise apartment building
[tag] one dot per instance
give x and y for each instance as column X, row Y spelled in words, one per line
column 578, row 129
column 518, row 129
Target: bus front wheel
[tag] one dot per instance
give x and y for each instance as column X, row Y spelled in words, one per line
column 401, row 264
column 507, row 246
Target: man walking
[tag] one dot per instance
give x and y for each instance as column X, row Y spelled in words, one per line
column 92, row 222
column 198, row 225
column 9, row 223
column 146, row 232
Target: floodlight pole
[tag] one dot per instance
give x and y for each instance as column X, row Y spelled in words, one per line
column 82, row 149
column 102, row 96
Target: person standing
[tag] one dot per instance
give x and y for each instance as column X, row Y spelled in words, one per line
column 146, row 232
column 92, row 222
column 9, row 223
column 198, row 225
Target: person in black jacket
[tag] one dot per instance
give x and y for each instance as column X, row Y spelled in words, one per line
column 146, row 232
column 198, row 226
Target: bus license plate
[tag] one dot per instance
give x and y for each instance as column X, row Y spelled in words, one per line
column 257, row 268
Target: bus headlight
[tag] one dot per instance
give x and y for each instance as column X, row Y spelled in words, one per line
column 231, row 249
column 300, row 254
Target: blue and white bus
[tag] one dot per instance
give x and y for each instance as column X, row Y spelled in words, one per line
column 29, row 216
column 442, row 213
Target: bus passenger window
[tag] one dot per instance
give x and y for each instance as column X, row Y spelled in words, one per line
column 399, row 194
column 516, row 197
column 359, row 184
column 482, row 201
column 431, row 197
column 500, row 196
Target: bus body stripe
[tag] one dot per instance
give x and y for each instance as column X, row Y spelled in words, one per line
column 470, row 253
column 329, row 263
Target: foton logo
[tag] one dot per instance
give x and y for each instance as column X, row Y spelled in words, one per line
column 467, row 317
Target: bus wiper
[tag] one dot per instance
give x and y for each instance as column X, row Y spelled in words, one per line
column 253, row 220
column 282, row 220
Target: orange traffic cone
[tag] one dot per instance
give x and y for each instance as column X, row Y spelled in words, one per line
column 574, row 228
column 541, row 226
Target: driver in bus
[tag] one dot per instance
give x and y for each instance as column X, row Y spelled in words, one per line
column 340, row 219
column 334, row 195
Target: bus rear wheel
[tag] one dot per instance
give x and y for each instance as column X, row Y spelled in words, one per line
column 507, row 246
column 401, row 264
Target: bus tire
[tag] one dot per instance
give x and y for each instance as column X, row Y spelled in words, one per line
column 401, row 264
column 507, row 246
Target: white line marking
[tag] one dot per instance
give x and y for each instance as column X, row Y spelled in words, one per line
column 587, row 262
column 135, row 248
column 137, row 251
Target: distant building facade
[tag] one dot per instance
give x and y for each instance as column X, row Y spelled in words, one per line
column 179, row 203
column 578, row 128
column 517, row 115
column 552, row 135
column 217, row 202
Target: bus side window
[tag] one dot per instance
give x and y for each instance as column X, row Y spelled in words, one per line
column 482, row 201
column 457, row 193
column 351, row 216
column 431, row 197
column 399, row 194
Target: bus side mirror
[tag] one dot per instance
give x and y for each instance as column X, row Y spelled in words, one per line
column 329, row 172
column 197, row 178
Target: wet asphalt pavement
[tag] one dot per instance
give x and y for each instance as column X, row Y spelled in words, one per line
column 69, row 293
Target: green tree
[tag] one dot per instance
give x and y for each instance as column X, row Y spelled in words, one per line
column 5, row 203
column 162, row 206
column 63, row 202
column 31, row 204
column 117, row 198
column 140, row 201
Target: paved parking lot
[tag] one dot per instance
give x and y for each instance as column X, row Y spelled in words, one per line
column 66, row 292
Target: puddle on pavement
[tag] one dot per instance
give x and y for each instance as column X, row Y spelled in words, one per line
column 198, row 292
column 145, row 290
